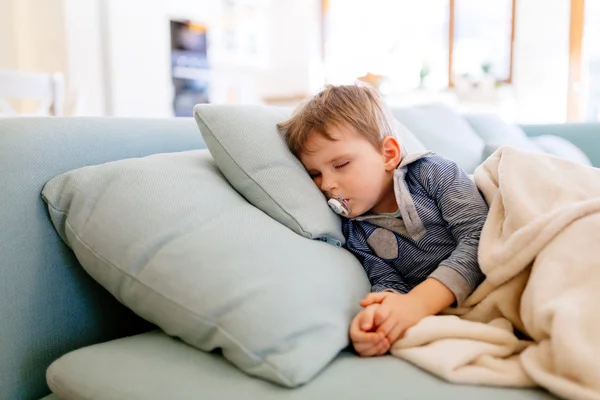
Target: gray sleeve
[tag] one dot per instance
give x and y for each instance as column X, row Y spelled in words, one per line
column 465, row 211
column 453, row 281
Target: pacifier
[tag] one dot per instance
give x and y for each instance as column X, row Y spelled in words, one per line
column 339, row 205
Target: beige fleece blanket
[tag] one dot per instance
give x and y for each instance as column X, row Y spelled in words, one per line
column 540, row 251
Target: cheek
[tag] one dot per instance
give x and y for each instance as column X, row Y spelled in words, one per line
column 370, row 177
column 365, row 183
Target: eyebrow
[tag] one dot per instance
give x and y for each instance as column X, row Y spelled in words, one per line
column 339, row 158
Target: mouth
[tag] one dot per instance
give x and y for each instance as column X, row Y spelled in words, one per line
column 340, row 205
column 340, row 199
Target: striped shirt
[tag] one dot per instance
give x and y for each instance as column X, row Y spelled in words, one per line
column 439, row 241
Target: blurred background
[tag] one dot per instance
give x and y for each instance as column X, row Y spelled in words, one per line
column 530, row 61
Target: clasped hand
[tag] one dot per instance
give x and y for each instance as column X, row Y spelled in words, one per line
column 383, row 320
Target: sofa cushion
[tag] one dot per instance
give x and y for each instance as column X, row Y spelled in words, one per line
column 445, row 132
column 497, row 133
column 410, row 143
column 253, row 156
column 50, row 305
column 153, row 366
column 561, row 147
column 172, row 240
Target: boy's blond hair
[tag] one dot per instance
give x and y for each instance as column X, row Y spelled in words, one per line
column 348, row 105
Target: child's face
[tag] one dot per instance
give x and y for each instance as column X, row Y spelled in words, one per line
column 351, row 167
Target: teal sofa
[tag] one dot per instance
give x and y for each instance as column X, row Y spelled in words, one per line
column 49, row 306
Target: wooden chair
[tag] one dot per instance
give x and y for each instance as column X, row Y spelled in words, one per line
column 46, row 88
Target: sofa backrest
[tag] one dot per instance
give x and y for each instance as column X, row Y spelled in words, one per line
column 48, row 304
column 444, row 131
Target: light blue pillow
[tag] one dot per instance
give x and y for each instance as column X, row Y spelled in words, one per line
column 253, row 156
column 561, row 147
column 173, row 241
column 443, row 131
column 153, row 366
column 497, row 133
column 409, row 142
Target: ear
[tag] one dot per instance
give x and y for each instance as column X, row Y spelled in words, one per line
column 391, row 152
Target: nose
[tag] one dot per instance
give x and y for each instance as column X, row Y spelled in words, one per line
column 327, row 183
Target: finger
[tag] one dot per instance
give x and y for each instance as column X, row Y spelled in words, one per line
column 355, row 325
column 366, row 340
column 396, row 332
column 382, row 313
column 369, row 350
column 366, row 319
column 384, row 347
column 364, row 348
column 356, row 330
column 372, row 298
column 367, row 337
column 386, row 326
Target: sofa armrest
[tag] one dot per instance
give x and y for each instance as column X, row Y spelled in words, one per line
column 586, row 136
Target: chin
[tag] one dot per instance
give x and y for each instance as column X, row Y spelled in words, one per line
column 357, row 212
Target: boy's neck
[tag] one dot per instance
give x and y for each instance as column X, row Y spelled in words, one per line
column 387, row 201
column 387, row 208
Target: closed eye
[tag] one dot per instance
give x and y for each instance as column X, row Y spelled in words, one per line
column 342, row 165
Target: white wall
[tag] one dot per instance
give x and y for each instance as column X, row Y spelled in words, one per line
column 541, row 65
column 116, row 52
column 138, row 51
column 85, row 57
column 55, row 36
column 32, row 39
column 138, row 56
column 8, row 45
column 294, row 49
column 38, row 27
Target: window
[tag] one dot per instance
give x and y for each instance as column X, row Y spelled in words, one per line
column 483, row 38
column 584, row 67
column 417, row 43
column 399, row 39
column 591, row 60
